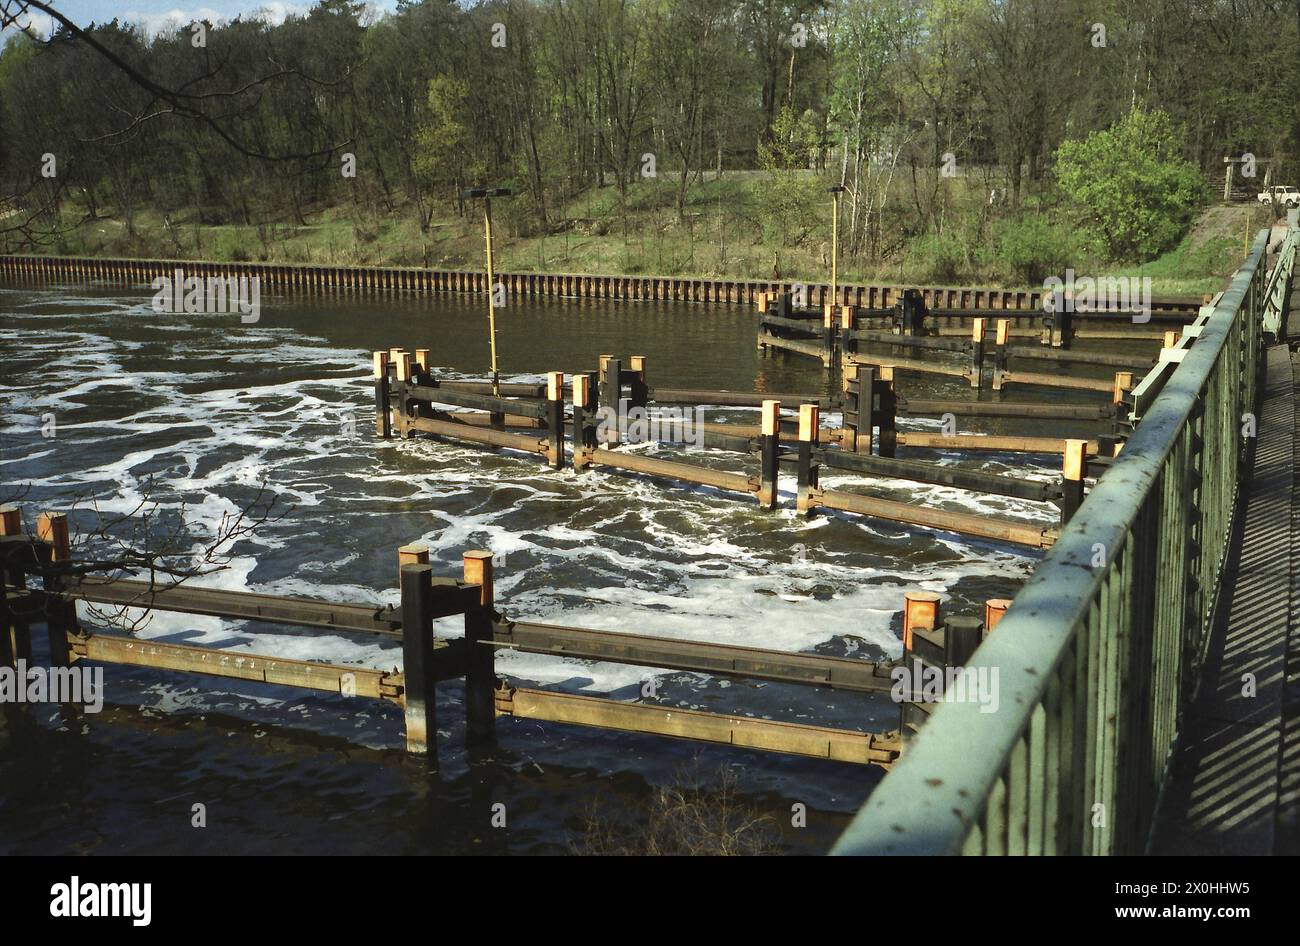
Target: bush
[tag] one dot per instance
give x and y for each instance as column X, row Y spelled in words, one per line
column 938, row 258
column 696, row 815
column 229, row 246
column 1032, row 247
column 1130, row 185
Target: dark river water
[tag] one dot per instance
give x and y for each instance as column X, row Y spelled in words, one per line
column 193, row 412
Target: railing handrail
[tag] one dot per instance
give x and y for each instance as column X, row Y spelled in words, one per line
column 937, row 793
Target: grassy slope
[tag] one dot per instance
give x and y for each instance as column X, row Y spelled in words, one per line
column 723, row 236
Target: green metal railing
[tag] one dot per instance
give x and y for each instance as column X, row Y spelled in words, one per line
column 1280, row 280
column 1097, row 656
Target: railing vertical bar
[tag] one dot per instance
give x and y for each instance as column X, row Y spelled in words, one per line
column 1092, row 734
column 1041, row 775
column 995, row 819
column 1018, row 800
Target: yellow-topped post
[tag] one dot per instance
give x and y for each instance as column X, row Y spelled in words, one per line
column 486, row 194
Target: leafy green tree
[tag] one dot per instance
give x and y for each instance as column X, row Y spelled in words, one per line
column 791, row 198
column 440, row 152
column 1130, row 186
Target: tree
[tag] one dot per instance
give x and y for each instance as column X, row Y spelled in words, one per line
column 790, row 199
column 1130, row 186
column 440, row 141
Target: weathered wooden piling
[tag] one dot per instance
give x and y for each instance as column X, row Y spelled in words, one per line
column 809, row 420
column 1073, row 463
column 922, row 645
column 584, row 420
column 884, row 412
column 404, row 379
column 383, row 418
column 555, row 419
column 977, row 353
column 60, row 616
column 480, row 661
column 419, row 694
column 1058, row 327
column 857, row 379
column 15, row 635
column 611, row 397
column 639, row 393
column 1001, row 339
column 1123, row 384
column 828, row 335
column 769, row 453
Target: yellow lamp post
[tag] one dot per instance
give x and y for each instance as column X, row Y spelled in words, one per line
column 835, row 192
column 486, row 194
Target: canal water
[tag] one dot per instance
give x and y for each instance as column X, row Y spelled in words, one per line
column 109, row 403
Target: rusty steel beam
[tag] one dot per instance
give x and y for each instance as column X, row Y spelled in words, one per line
column 964, row 523
column 734, row 398
column 907, row 364
column 1104, row 385
column 309, row 675
column 841, row 673
column 482, row 435
column 740, row 731
column 918, row 406
column 991, row 442
column 674, row 470
column 450, row 597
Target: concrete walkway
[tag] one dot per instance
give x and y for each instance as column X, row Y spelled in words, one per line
column 1235, row 783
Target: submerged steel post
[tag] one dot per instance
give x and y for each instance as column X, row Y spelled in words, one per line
column 419, row 696
column 480, row 669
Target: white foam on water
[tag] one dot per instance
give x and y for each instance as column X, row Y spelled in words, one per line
column 602, row 549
